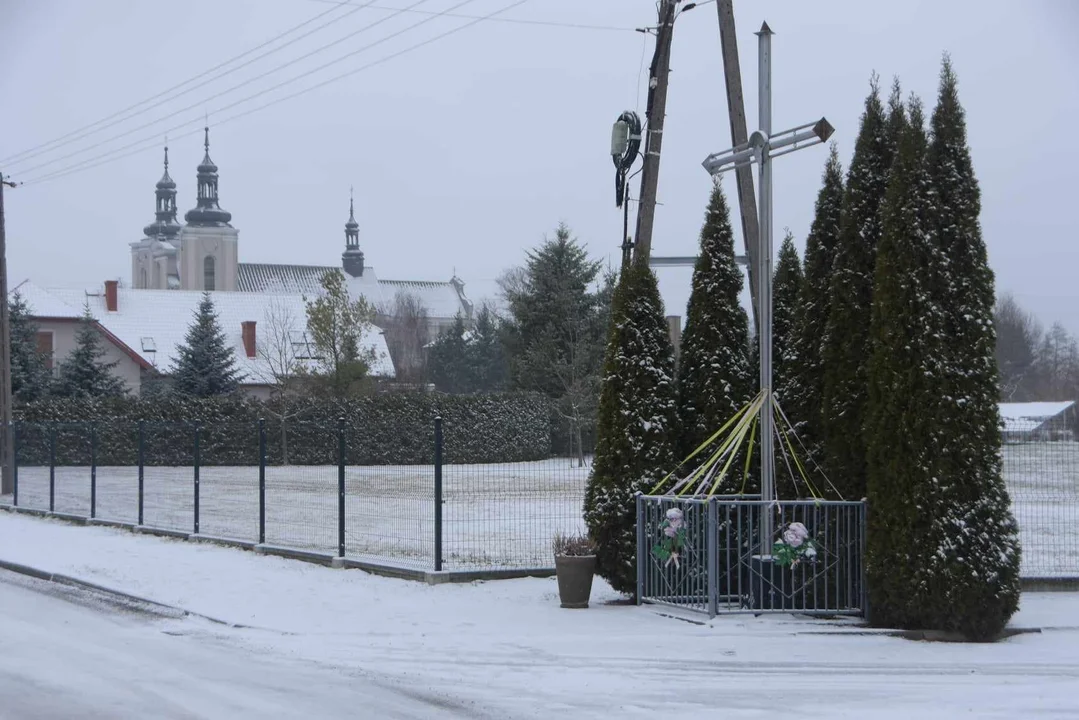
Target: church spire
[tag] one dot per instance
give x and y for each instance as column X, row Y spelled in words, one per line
column 165, row 225
column 207, row 212
column 352, row 258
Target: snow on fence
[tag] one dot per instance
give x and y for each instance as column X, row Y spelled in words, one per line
column 494, row 516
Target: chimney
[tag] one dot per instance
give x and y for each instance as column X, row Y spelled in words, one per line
column 674, row 328
column 247, row 328
column 110, row 295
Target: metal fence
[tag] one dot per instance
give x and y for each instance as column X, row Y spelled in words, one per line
column 711, row 559
column 220, row 481
column 1042, row 477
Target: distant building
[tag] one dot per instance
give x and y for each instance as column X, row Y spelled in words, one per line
column 172, row 264
column 1037, row 421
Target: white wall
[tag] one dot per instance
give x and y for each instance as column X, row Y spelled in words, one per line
column 63, row 342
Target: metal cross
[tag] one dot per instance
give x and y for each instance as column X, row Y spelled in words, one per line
column 762, row 148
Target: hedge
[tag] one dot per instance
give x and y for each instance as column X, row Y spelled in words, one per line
column 384, row 429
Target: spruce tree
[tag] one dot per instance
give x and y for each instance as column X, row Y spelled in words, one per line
column 905, row 435
column 714, row 379
column 845, row 347
column 84, row 373
column 973, row 576
column 206, row 365
column 635, row 424
column 786, row 287
column 802, row 401
column 30, row 376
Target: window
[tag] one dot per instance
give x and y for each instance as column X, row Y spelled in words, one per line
column 208, row 273
column 44, row 346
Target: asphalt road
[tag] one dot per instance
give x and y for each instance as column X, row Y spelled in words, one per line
column 68, row 653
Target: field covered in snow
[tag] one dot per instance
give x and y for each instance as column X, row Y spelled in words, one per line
column 494, row 516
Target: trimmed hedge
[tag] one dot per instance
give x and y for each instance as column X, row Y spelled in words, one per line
column 385, row 429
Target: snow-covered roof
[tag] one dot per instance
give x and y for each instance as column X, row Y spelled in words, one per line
column 441, row 299
column 154, row 323
column 1028, row 416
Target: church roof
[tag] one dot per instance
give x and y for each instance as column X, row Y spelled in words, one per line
column 154, row 323
column 442, row 299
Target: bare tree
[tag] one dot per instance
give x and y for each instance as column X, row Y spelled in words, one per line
column 282, row 351
column 405, row 324
column 1019, row 340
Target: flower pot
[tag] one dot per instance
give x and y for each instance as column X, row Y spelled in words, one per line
column 575, row 579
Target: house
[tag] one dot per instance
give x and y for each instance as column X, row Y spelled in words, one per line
column 1037, row 421
column 144, row 329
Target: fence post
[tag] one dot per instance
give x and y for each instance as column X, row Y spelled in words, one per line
column 15, row 464
column 262, row 481
column 438, row 494
column 639, row 499
column 712, row 528
column 93, row 470
column 52, row 467
column 341, row 487
column 197, row 428
column 142, row 462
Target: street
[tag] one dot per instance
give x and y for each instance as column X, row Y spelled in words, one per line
column 70, row 653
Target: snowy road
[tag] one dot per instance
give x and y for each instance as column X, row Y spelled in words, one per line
column 69, row 653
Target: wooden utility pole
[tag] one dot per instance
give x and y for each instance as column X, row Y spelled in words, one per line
column 747, row 203
column 7, row 437
column 653, row 144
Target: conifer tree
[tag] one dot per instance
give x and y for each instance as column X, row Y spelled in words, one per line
column 714, row 379
column 84, row 373
column 802, row 401
column 636, row 431
column 897, row 119
column 30, row 376
column 206, row 365
column 974, row 573
column 845, row 348
column 786, row 287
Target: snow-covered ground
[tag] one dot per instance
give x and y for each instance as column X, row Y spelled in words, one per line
column 70, row 653
column 505, row 649
column 494, row 516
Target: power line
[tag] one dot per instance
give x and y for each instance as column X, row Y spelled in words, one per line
column 202, row 103
column 88, row 129
column 86, row 165
column 515, row 21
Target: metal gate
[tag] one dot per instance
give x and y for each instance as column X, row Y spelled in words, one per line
column 706, row 554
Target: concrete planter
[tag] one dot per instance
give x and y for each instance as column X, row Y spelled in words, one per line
column 575, row 579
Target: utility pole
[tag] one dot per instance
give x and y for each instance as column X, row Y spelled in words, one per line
column 7, row 437
column 657, row 108
column 747, row 205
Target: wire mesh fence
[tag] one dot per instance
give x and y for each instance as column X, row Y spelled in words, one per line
column 240, row 482
column 243, row 482
column 1042, row 476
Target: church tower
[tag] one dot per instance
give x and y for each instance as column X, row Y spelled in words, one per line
column 209, row 245
column 153, row 259
column 352, row 258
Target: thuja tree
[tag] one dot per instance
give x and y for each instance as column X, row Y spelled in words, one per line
column 845, row 349
column 636, row 423
column 972, row 571
column 786, row 287
column 802, row 400
column 714, row 379
column 905, row 439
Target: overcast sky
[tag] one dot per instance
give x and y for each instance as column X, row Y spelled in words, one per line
column 466, row 151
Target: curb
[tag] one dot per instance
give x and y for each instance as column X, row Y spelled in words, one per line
column 119, row 594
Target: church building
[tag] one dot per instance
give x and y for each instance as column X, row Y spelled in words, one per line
column 144, row 323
